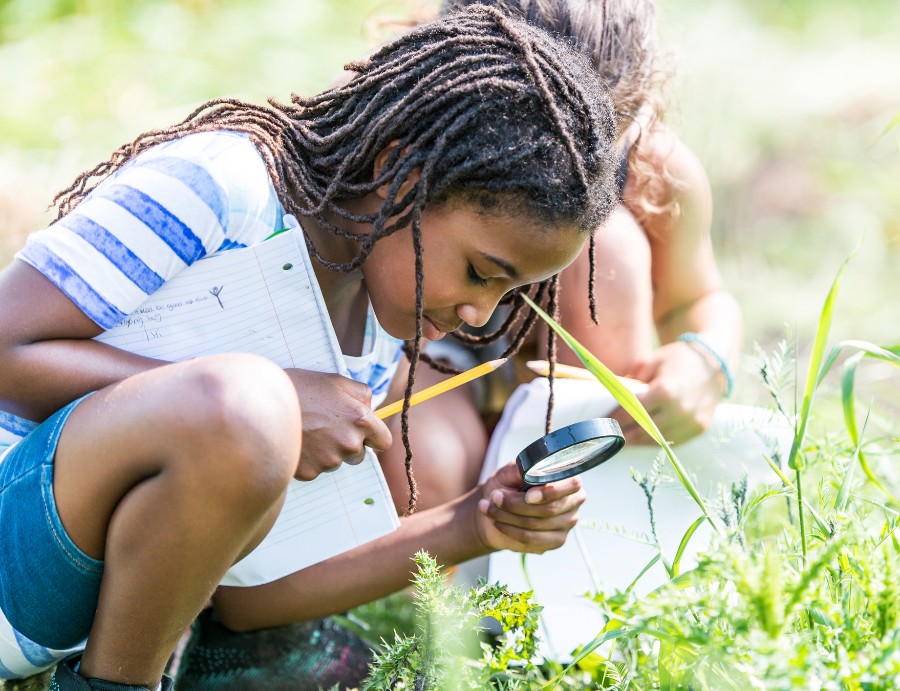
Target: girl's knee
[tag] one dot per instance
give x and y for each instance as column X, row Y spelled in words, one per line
column 240, row 416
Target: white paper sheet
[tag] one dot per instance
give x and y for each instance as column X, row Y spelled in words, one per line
column 265, row 300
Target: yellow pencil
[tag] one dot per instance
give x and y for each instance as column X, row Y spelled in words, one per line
column 432, row 391
column 542, row 369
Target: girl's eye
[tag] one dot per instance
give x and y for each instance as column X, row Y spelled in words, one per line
column 475, row 278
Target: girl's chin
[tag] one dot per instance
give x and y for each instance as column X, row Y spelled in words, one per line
column 429, row 331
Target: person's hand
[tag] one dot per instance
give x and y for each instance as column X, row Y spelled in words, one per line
column 683, row 392
column 338, row 422
column 534, row 521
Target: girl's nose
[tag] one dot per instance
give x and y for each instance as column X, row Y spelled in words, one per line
column 477, row 314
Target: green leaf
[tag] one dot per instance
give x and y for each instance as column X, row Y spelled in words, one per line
column 629, row 402
column 868, row 349
column 893, row 124
column 815, row 362
column 848, row 403
column 656, row 558
column 676, row 563
column 598, row 640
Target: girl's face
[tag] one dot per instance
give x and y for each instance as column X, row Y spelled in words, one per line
column 471, row 259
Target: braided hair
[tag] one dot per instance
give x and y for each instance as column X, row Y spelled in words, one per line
column 475, row 106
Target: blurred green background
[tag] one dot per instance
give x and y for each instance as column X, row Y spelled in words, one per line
column 785, row 101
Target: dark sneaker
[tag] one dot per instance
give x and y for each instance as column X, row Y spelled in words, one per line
column 298, row 657
column 65, row 678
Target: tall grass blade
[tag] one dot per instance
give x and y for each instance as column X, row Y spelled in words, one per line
column 599, row 640
column 888, row 355
column 647, row 567
column 815, row 362
column 819, row 520
column 679, row 553
column 849, row 406
column 812, row 380
column 629, row 403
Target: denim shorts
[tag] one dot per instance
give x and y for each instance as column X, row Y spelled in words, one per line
column 48, row 586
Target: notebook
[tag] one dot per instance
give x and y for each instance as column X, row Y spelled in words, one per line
column 265, row 300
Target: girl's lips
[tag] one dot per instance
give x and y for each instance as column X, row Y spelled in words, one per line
column 431, row 331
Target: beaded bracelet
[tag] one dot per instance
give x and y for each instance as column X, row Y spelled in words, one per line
column 694, row 339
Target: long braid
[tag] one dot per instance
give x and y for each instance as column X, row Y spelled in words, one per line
column 592, row 277
column 553, row 310
column 477, row 105
column 414, row 361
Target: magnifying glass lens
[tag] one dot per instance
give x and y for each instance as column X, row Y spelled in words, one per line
column 570, row 450
column 571, row 457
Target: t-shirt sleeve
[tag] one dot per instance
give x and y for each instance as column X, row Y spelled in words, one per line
column 170, row 206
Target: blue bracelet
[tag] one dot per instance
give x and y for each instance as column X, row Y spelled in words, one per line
column 691, row 337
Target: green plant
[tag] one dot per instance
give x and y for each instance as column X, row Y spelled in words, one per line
column 448, row 649
column 797, row 607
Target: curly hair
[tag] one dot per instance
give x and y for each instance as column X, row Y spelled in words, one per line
column 476, row 106
column 619, row 37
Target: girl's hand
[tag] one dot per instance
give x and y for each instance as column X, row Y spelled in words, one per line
column 683, row 392
column 534, row 521
column 338, row 422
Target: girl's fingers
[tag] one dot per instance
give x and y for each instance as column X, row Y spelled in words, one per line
column 504, row 507
column 551, row 492
column 534, row 541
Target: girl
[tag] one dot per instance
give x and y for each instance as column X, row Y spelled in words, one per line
column 465, row 160
column 654, row 269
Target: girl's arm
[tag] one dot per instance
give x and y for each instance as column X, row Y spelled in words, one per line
column 689, row 295
column 46, row 353
column 493, row 516
column 690, row 301
column 656, row 272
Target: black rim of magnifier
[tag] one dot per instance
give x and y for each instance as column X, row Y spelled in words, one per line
column 563, row 438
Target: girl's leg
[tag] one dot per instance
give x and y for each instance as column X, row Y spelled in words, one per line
column 623, row 292
column 170, row 477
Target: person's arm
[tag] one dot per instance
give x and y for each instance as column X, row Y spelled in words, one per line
column 46, row 355
column 697, row 320
column 95, row 265
column 493, row 516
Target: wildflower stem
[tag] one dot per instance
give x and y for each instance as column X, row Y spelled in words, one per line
column 800, row 512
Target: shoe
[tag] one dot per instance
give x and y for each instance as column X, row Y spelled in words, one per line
column 299, row 657
column 65, row 678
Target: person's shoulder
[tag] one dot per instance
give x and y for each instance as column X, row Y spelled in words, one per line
column 226, row 165
column 209, row 145
column 201, row 161
column 220, row 153
column 670, row 157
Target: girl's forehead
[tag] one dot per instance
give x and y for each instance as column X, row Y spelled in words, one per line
column 523, row 247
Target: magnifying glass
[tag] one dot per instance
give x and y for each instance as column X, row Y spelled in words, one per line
column 569, row 451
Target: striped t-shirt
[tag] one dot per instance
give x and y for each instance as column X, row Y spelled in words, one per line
column 170, row 206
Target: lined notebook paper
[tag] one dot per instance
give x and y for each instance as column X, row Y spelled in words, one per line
column 265, row 300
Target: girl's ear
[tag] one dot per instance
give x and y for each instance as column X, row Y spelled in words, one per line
column 380, row 161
